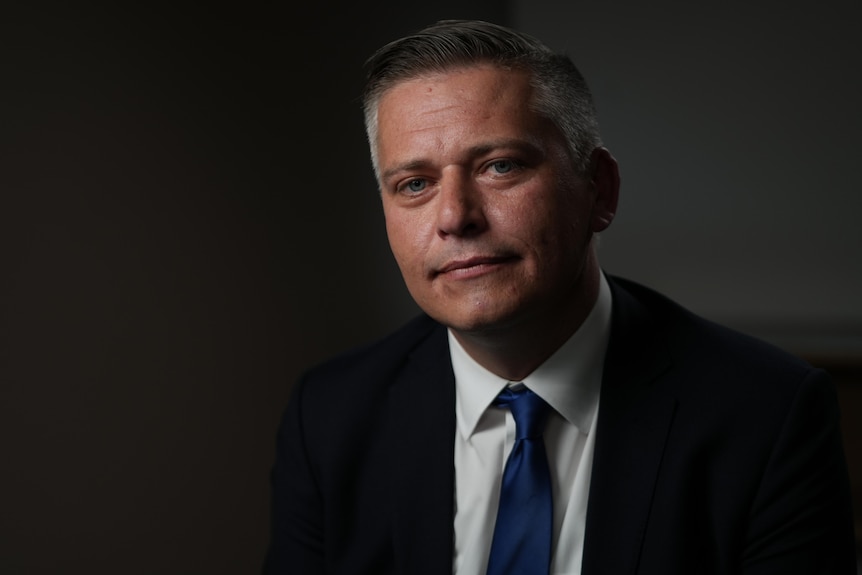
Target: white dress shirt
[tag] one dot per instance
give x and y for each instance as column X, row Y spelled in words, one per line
column 569, row 381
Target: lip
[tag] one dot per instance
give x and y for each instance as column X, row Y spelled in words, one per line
column 472, row 266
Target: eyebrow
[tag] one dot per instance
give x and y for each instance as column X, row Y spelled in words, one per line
column 405, row 167
column 472, row 152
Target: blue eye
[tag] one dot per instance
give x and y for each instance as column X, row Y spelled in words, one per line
column 503, row 166
column 416, row 185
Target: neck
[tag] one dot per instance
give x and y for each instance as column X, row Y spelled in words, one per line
column 515, row 351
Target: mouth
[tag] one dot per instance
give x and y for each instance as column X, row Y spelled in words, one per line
column 473, row 266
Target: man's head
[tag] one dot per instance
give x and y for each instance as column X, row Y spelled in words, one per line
column 561, row 93
column 490, row 213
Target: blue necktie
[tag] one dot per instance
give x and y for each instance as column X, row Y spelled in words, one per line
column 522, row 534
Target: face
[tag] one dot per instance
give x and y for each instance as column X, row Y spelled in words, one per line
column 488, row 221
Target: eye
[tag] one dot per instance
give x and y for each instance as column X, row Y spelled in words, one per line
column 503, row 166
column 415, row 185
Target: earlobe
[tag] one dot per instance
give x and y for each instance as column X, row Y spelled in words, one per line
column 606, row 184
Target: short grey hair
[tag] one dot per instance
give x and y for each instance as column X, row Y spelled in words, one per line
column 561, row 93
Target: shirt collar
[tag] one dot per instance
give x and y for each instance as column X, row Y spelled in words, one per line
column 569, row 380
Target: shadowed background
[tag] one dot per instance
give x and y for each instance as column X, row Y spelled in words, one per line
column 188, row 220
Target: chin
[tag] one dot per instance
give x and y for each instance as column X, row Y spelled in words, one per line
column 476, row 321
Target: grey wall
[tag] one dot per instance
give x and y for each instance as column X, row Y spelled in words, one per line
column 187, row 220
column 737, row 129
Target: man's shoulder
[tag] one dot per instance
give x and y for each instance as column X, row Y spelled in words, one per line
column 708, row 367
column 382, row 357
column 694, row 340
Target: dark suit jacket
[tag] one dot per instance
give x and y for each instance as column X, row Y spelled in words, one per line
column 715, row 453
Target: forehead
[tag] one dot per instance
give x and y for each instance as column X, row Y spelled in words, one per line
column 459, row 103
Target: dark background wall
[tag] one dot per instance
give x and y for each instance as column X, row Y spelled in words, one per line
column 188, row 220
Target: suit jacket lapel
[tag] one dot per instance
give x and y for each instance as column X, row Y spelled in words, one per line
column 634, row 420
column 422, row 416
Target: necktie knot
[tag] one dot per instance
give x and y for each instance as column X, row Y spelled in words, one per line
column 528, row 409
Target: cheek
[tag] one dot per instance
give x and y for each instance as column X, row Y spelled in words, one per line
column 556, row 235
column 403, row 241
column 535, row 229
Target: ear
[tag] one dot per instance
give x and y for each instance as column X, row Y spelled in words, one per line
column 606, row 184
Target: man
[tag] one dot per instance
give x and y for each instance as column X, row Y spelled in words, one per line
column 664, row 444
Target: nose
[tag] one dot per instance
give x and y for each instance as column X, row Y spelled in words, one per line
column 460, row 207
